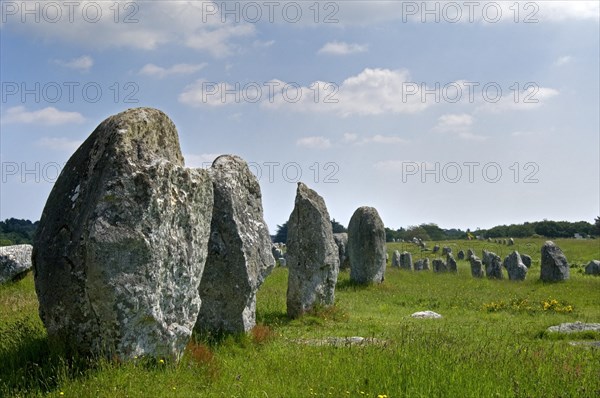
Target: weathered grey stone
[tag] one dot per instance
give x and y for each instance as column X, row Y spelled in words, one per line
column 526, row 260
column 476, row 267
column 446, row 250
column 313, row 256
column 436, row 249
column 439, row 265
column 15, row 262
column 122, row 241
column 341, row 240
column 593, row 268
column 366, row 246
column 574, row 327
column 489, row 239
column 426, row 315
column 517, row 271
column 554, row 264
column 239, row 250
column 470, row 254
column 425, row 266
column 451, row 263
column 419, row 265
column 276, row 252
column 493, row 265
column 461, row 255
column 282, row 261
column 396, row 259
column 406, row 261
column 511, row 242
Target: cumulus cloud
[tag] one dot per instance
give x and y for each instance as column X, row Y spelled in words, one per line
column 46, row 116
column 59, row 144
column 177, row 69
column 315, row 142
column 566, row 59
column 82, row 64
column 140, row 25
column 454, row 122
column 342, row 48
column 532, row 97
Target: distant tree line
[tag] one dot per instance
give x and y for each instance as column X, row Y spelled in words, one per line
column 15, row 231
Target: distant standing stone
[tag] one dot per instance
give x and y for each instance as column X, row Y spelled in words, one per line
column 511, row 242
column 526, row 260
column 239, row 250
column 554, row 264
column 406, row 261
column 446, row 250
column 341, row 240
column 313, row 256
column 436, row 248
column 515, row 267
column 593, row 268
column 366, row 246
column 451, row 263
column 439, row 265
column 15, row 262
column 396, row 259
column 476, row 267
column 461, row 255
column 282, row 261
column 493, row 265
column 470, row 254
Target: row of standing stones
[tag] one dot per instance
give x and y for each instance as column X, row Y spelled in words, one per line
column 134, row 250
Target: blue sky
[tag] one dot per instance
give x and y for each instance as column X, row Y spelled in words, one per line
column 463, row 114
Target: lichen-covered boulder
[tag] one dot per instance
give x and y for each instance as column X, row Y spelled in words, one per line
column 239, row 250
column 15, row 262
column 312, row 255
column 122, row 241
column 593, row 268
column 554, row 264
column 366, row 246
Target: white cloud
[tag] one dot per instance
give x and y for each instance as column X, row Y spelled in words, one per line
column 314, row 142
column 177, row 69
column 531, row 98
column 46, row 116
column 59, row 144
column 350, row 137
column 140, row 25
column 82, row 64
column 569, row 10
column 454, row 122
column 371, row 92
column 384, row 139
column 202, row 160
column 342, row 48
column 263, row 44
column 566, row 59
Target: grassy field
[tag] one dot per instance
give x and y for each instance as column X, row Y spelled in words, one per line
column 491, row 341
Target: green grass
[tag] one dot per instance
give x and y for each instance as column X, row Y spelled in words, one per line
column 491, row 341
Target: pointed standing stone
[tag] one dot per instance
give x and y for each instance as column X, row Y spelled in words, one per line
column 312, row 255
column 366, row 246
column 554, row 264
column 239, row 250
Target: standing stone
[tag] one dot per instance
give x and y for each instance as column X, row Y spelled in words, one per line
column 396, row 259
column 436, row 249
column 515, row 267
column 489, row 239
column 419, row 265
column 313, row 256
column 276, row 252
column 493, row 265
column 593, row 268
column 406, row 261
column 526, row 260
column 470, row 254
column 446, row 250
column 439, row 265
column 451, row 262
column 554, row 264
column 239, row 250
column 366, row 246
column 282, row 261
column 341, row 240
column 511, row 242
column 122, row 241
column 461, row 255
column 15, row 262
column 476, row 267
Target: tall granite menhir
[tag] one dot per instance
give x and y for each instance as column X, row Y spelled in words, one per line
column 555, row 267
column 366, row 246
column 121, row 245
column 312, row 254
column 239, row 250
